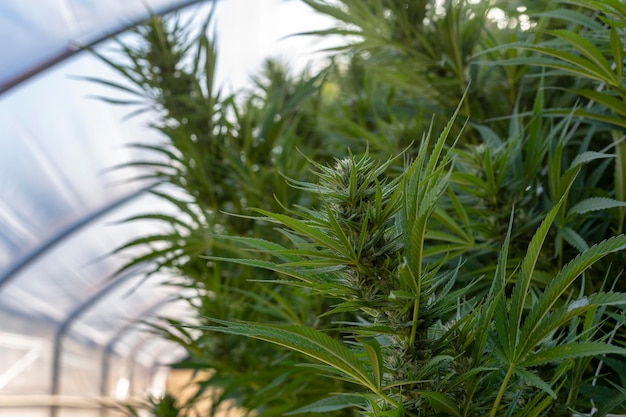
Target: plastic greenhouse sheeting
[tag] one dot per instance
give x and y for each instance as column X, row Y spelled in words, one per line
column 42, row 33
column 72, row 332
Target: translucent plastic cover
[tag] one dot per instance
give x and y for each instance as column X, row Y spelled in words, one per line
column 70, row 325
column 40, row 33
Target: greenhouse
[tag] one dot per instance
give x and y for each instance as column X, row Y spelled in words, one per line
column 313, row 207
column 71, row 328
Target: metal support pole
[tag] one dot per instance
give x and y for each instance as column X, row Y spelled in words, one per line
column 108, row 349
column 63, row 328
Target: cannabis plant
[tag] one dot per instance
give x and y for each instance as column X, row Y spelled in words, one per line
column 476, row 274
column 584, row 51
column 418, row 344
column 218, row 155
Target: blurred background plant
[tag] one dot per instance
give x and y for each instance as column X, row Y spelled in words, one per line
column 427, row 278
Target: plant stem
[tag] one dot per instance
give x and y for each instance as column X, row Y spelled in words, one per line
column 418, row 291
column 505, row 382
column 416, row 308
column 393, row 402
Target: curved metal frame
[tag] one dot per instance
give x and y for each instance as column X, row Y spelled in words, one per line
column 74, row 48
column 49, row 244
column 64, row 327
column 44, row 247
column 105, row 366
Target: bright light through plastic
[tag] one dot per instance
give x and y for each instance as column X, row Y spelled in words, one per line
column 30, row 349
column 121, row 389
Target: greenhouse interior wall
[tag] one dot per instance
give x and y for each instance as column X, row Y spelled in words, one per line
column 75, row 334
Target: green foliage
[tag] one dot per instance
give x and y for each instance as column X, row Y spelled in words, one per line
column 416, row 344
column 164, row 406
column 385, row 269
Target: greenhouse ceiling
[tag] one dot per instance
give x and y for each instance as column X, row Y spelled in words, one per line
column 71, row 325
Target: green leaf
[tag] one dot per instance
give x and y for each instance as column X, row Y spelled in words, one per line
column 589, row 156
column 271, row 266
column 462, row 213
column 157, row 216
column 592, row 115
column 561, row 316
column 147, row 240
column 536, row 407
column 308, row 341
column 497, row 308
column 620, row 180
column 566, row 61
column 111, row 84
column 535, row 380
column 618, row 52
column 587, row 49
column 573, row 17
column 469, row 180
column 611, row 101
column 574, row 239
column 374, row 353
column 520, row 290
column 612, row 404
column 259, row 244
column 441, row 403
column 184, row 206
column 576, row 267
column 571, row 351
column 448, row 221
column 595, row 204
column 564, row 280
column 306, row 230
column 445, row 237
column 334, row 403
column 339, row 232
column 117, row 101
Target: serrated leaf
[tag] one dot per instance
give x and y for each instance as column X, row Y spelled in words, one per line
column 111, row 84
column 533, row 336
column 562, row 282
column 497, row 310
column 306, row 230
column 156, row 216
column 337, row 402
column 611, row 405
column 303, row 276
column 596, row 204
column 588, row 156
column 564, row 61
column 576, row 267
column 574, row 239
column 592, row 115
column 441, row 403
column 618, row 52
column 445, row 219
column 520, row 290
column 571, row 351
column 608, row 100
column 573, row 17
column 445, row 237
column 535, row 380
column 587, row 49
column 310, row 342
column 374, row 353
column 263, row 245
